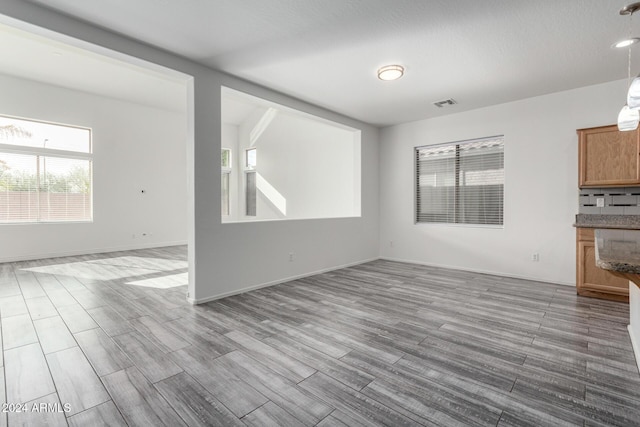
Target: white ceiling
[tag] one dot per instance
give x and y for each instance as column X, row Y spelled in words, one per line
column 42, row 59
column 327, row 51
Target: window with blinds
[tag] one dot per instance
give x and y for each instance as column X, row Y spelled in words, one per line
column 251, row 189
column 225, row 181
column 45, row 172
column 461, row 182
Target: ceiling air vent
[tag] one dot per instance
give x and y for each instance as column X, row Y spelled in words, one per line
column 445, row 103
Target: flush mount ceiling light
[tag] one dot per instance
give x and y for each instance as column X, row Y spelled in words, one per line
column 390, row 72
column 629, row 116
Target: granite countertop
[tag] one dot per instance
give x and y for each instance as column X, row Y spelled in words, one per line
column 627, row 222
column 618, row 250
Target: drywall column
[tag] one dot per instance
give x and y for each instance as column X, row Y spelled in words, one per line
column 225, row 259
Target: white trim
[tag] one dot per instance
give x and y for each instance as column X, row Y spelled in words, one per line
column 458, row 224
column 47, row 222
column 635, row 345
column 247, row 167
column 463, row 141
column 275, row 282
column 45, row 152
column 479, row 271
column 250, row 219
column 92, row 251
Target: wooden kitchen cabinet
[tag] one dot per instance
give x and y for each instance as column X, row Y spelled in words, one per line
column 592, row 281
column 608, row 157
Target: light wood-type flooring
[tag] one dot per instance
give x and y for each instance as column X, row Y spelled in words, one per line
column 110, row 340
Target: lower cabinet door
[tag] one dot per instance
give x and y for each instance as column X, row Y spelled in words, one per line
column 594, row 281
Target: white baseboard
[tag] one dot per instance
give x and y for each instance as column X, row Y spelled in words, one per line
column 274, row 282
column 493, row 273
column 39, row 256
column 635, row 345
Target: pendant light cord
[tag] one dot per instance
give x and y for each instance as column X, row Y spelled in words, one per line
column 629, row 56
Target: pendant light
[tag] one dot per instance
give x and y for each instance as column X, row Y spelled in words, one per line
column 628, row 119
column 629, row 116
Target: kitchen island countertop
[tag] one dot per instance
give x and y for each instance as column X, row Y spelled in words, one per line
column 627, row 222
column 618, row 250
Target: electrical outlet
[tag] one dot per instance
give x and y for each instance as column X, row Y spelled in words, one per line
column 290, row 256
column 600, row 202
column 390, row 243
column 535, row 257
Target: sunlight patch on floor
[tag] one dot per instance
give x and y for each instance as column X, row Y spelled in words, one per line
column 112, row 268
column 159, row 264
column 164, row 282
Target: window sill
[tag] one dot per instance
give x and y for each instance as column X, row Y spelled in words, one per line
column 447, row 224
column 45, row 222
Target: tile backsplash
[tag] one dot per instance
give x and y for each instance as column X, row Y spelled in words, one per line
column 617, row 201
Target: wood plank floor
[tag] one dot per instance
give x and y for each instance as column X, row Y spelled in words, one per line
column 110, row 340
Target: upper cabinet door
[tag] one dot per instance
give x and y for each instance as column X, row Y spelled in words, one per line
column 608, row 157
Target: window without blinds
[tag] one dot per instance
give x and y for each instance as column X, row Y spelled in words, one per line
column 461, row 182
column 45, row 172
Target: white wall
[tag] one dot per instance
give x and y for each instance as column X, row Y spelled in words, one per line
column 251, row 254
column 541, row 190
column 306, row 168
column 229, row 258
column 135, row 148
column 264, row 209
column 312, row 164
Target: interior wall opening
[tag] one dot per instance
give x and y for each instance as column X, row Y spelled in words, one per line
column 140, row 116
column 278, row 163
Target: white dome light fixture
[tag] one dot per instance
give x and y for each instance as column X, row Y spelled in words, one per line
column 629, row 116
column 628, row 119
column 390, row 72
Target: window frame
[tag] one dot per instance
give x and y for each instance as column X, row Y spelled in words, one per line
column 457, row 171
column 247, row 166
column 39, row 152
column 228, row 167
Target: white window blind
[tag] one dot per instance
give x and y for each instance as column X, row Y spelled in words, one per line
column 45, row 172
column 251, row 189
column 225, row 181
column 461, row 182
column 251, row 194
